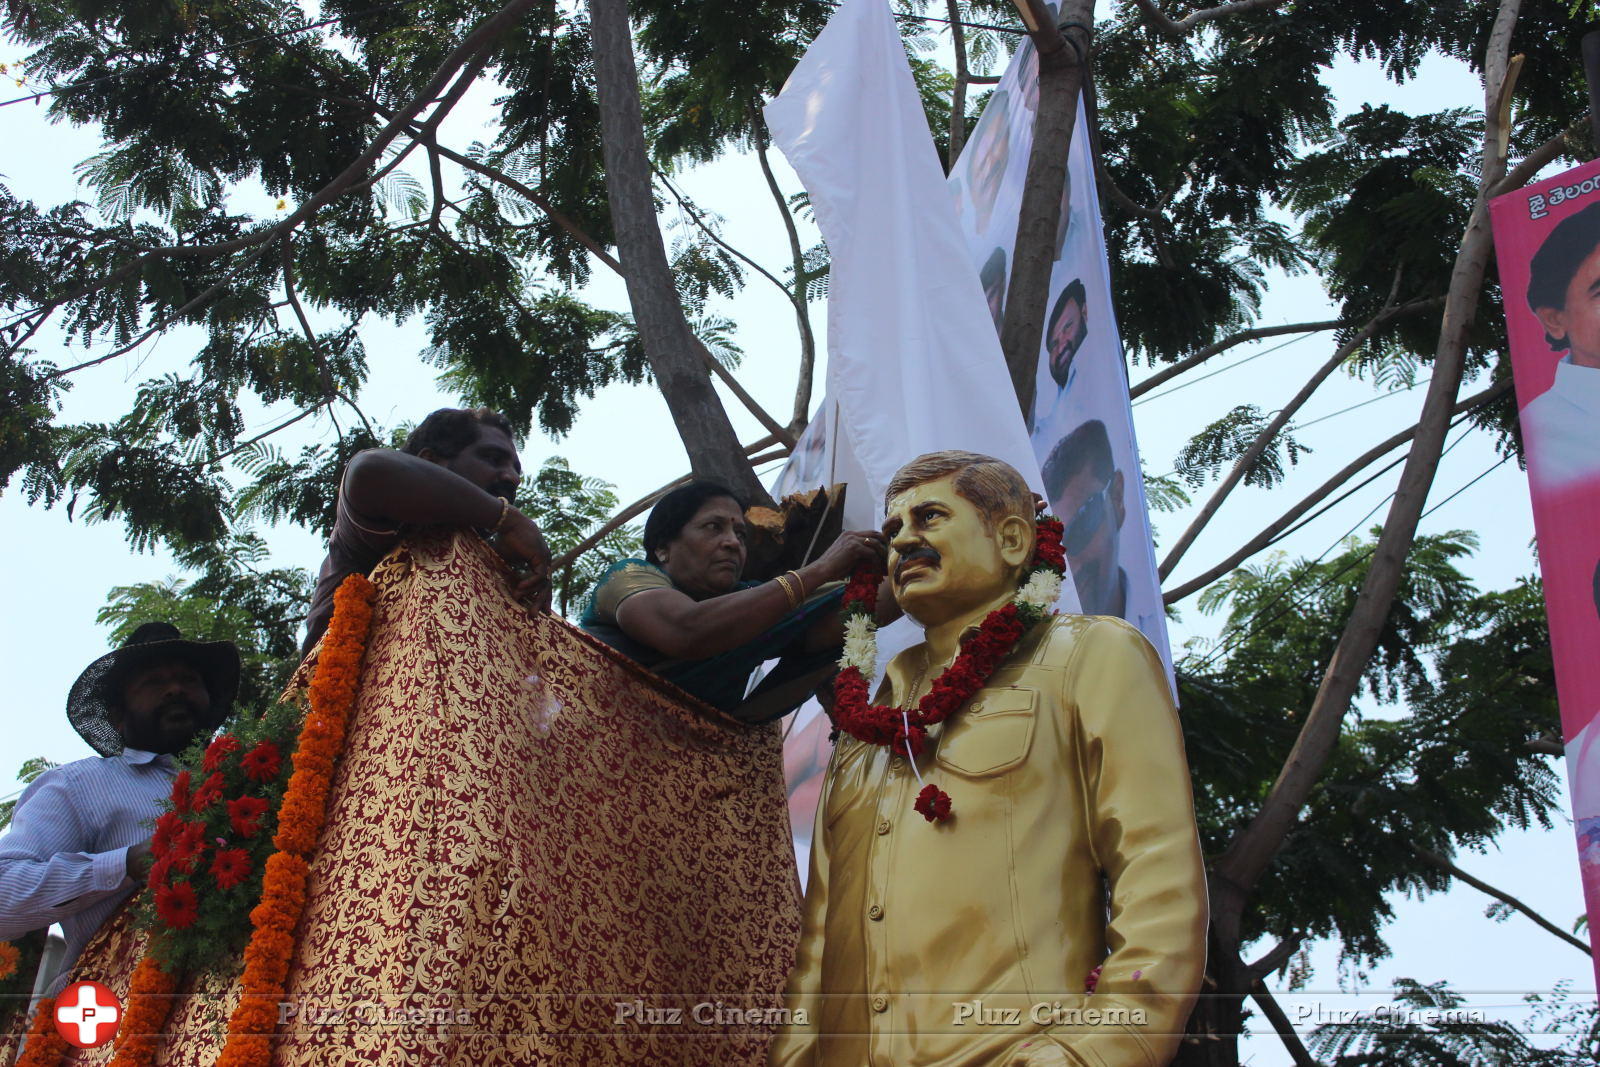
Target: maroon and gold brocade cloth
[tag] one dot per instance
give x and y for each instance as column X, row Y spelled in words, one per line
column 621, row 891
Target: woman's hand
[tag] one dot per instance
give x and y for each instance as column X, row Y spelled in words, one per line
column 850, row 550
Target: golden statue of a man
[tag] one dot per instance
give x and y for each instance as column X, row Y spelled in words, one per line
column 1071, row 861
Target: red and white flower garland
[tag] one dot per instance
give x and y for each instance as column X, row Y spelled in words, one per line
column 981, row 653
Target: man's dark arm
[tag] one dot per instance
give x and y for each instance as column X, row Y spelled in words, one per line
column 402, row 490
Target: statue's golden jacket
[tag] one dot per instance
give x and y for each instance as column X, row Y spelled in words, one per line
column 1073, row 845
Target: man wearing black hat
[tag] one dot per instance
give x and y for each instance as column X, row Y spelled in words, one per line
column 79, row 843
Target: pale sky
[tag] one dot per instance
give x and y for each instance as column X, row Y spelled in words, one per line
column 63, row 569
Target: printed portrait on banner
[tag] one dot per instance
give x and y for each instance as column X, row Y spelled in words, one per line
column 1547, row 244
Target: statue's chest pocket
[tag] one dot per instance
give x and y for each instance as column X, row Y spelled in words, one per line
column 992, row 735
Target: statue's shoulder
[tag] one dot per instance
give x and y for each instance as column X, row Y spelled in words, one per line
column 1068, row 635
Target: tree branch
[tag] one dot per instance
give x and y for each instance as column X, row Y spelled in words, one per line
column 808, row 341
column 1252, row 849
column 633, row 511
column 1280, row 1022
column 693, row 212
column 958, row 92
column 1162, row 24
column 1444, row 864
column 1280, row 954
column 1539, row 158
column 1189, row 362
column 472, row 50
column 1263, row 441
column 1288, row 518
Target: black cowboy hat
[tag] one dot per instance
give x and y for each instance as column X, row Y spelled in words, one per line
column 92, row 704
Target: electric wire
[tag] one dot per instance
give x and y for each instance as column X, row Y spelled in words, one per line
column 1257, row 621
column 1222, row 370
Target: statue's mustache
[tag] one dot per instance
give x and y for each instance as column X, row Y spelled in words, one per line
column 926, row 552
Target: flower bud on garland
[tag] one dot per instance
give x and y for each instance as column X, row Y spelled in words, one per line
column 981, row 653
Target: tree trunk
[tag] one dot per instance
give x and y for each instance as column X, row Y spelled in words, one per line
column 1234, row 875
column 1061, row 75
column 702, row 422
column 958, row 94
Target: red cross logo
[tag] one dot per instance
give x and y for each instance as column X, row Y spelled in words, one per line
column 87, row 1014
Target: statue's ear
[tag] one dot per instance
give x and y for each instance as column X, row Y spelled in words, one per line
column 1015, row 535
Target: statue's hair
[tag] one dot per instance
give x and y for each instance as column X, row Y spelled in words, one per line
column 992, row 485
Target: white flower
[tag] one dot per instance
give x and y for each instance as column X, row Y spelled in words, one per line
column 860, row 645
column 1041, row 590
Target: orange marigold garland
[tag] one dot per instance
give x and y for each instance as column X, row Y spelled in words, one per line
column 150, row 997
column 45, row 1046
column 300, row 820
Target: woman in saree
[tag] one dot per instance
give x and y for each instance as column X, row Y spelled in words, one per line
column 683, row 612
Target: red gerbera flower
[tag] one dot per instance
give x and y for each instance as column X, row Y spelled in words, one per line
column 167, row 827
column 158, row 872
column 187, row 846
column 208, row 794
column 262, row 763
column 245, row 815
column 177, row 905
column 180, row 792
column 218, row 751
column 230, row 867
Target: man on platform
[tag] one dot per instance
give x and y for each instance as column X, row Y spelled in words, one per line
column 1066, row 858
column 459, row 467
column 79, row 843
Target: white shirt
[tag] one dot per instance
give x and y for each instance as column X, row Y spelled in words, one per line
column 65, row 858
column 1561, row 427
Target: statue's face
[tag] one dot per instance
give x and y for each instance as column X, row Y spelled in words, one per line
column 944, row 562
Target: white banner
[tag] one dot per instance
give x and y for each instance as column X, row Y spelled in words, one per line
column 1082, row 424
column 914, row 364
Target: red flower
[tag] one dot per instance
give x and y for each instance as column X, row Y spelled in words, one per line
column 180, row 792
column 218, row 751
column 177, row 905
column 862, row 589
column 168, row 826
column 187, row 846
column 933, row 804
column 262, row 763
column 230, row 867
column 208, row 794
column 245, row 815
column 158, row 872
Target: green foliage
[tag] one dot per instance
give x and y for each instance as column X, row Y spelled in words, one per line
column 1227, row 439
column 569, row 507
column 1464, row 680
column 31, row 769
column 1429, row 1024
column 232, row 595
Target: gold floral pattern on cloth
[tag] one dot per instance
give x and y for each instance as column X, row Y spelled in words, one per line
column 621, row 891
column 199, row 1016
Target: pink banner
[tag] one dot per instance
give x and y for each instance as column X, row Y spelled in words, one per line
column 1547, row 241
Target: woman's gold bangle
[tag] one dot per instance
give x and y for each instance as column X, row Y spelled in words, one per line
column 799, row 584
column 788, row 591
